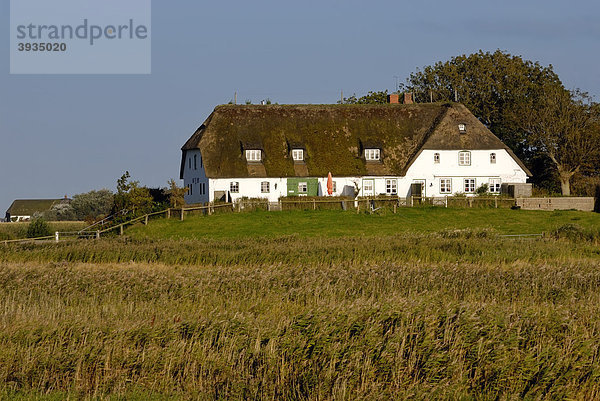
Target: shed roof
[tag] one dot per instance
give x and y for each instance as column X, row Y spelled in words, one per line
column 334, row 137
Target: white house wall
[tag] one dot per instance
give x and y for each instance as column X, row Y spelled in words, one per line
column 481, row 169
column 194, row 177
column 424, row 169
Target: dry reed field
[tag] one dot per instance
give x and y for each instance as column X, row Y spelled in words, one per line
column 450, row 315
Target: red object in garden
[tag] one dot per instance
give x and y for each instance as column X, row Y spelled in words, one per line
column 329, row 183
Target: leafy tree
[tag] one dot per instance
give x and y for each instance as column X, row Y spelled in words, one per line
column 62, row 211
column 370, row 98
column 131, row 196
column 92, row 205
column 38, row 227
column 563, row 126
column 176, row 194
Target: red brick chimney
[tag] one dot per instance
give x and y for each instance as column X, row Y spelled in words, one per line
column 407, row 98
column 393, row 98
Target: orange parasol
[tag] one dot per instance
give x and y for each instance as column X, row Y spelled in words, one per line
column 329, row 184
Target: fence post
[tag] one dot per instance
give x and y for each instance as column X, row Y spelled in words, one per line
column 495, row 202
column 314, row 204
column 181, row 213
column 209, row 210
column 412, row 202
column 97, row 234
column 395, row 208
column 168, row 213
column 56, row 236
column 446, row 201
column 357, row 207
column 146, row 220
column 121, row 229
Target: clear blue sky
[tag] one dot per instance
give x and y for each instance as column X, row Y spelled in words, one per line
column 71, row 134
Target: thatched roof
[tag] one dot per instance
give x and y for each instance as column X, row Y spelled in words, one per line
column 333, row 136
column 27, row 207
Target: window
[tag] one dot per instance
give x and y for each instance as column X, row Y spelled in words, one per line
column 495, row 185
column 264, row 187
column 334, row 187
column 469, row 185
column 253, row 155
column 368, row 187
column 436, row 158
column 195, row 162
column 464, row 158
column 462, row 128
column 372, row 154
column 492, row 158
column 190, row 163
column 190, row 189
column 298, row 155
column 445, row 185
column 302, row 188
column 234, row 187
column 391, row 187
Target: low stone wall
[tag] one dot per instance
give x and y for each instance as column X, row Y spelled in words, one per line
column 567, row 203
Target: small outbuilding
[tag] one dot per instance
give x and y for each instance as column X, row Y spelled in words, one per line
column 25, row 209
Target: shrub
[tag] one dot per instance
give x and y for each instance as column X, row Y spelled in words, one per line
column 38, row 228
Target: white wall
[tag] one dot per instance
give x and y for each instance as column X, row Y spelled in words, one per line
column 194, row 175
column 424, row 168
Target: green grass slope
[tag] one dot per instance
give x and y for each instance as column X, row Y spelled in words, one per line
column 327, row 223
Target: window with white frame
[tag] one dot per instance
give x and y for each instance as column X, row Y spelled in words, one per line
column 445, row 185
column 494, row 186
column 462, row 128
column 265, row 187
column 298, row 155
column 492, row 158
column 464, row 158
column 372, row 154
column 391, row 186
column 436, row 158
column 234, row 187
column 368, row 186
column 253, row 155
column 469, row 185
column 302, row 188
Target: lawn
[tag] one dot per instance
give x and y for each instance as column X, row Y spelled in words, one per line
column 328, row 223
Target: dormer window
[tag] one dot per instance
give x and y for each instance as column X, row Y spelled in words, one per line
column 253, row 155
column 436, row 158
column 462, row 128
column 373, row 154
column 298, row 155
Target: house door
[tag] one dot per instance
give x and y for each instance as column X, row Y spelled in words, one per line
column 417, row 188
column 368, row 187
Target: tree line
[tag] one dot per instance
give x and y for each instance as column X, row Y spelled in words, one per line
column 554, row 130
column 131, row 199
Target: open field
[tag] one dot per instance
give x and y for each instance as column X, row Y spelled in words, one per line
column 315, row 315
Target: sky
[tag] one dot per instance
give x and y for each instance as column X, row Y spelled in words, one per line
column 68, row 134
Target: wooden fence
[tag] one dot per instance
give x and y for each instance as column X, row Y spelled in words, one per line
column 368, row 205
